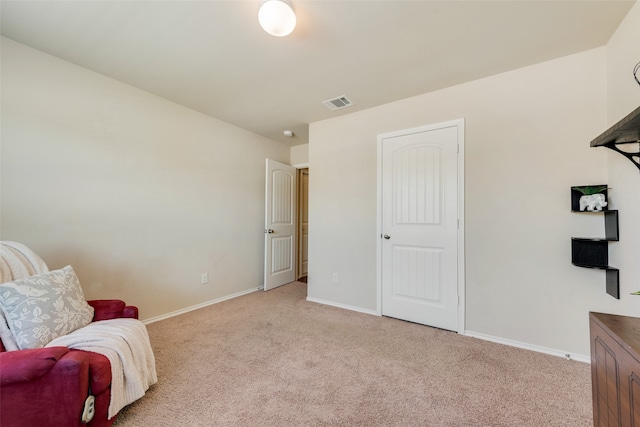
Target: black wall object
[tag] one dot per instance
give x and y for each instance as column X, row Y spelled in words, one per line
column 594, row 252
column 626, row 131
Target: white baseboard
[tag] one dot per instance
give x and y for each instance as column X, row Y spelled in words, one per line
column 346, row 307
column 197, row 306
column 526, row 346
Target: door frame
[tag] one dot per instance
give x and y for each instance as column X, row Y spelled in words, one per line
column 300, row 172
column 298, row 166
column 459, row 123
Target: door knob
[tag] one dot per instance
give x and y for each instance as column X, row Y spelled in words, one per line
column 269, row 231
column 386, row 236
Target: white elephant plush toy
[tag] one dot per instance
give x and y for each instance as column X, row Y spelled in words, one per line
column 594, row 202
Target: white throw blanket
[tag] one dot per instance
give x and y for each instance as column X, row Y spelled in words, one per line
column 18, row 261
column 125, row 342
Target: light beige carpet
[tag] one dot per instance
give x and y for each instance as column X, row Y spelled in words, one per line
column 274, row 359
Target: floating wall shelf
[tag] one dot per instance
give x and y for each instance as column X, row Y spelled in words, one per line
column 594, row 252
column 626, row 131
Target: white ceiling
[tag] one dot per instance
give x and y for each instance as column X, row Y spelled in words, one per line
column 213, row 57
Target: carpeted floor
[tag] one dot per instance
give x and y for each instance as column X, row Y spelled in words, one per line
column 275, row 359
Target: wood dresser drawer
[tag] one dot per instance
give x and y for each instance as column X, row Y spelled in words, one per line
column 615, row 369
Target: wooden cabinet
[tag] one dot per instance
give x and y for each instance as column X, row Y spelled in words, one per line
column 615, row 369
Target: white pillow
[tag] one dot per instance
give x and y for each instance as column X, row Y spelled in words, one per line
column 43, row 307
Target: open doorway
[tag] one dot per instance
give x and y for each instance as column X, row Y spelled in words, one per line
column 286, row 224
column 303, row 225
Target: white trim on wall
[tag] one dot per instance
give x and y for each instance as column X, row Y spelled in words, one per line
column 526, row 346
column 198, row 306
column 344, row 306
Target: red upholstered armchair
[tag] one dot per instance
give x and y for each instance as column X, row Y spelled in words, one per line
column 43, row 385
column 52, row 386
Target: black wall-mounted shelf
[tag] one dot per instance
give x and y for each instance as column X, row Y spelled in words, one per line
column 594, row 252
column 626, row 131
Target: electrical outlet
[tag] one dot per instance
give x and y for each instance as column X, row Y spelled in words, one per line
column 334, row 278
column 204, row 278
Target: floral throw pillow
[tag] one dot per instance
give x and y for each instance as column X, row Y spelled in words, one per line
column 43, row 307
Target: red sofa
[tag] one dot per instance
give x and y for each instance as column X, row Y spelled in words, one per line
column 49, row 386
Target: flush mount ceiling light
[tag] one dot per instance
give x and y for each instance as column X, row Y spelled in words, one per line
column 277, row 18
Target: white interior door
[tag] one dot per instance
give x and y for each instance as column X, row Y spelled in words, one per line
column 419, row 225
column 280, row 225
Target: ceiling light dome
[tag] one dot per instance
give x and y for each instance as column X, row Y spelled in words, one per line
column 277, row 18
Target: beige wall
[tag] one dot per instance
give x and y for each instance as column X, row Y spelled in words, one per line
column 623, row 96
column 300, row 154
column 527, row 143
column 138, row 194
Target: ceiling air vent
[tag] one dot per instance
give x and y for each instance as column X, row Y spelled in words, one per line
column 337, row 103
